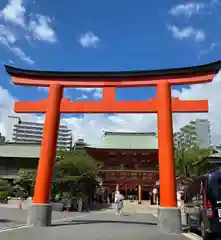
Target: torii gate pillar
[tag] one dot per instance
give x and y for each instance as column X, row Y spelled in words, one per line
column 40, row 213
column 168, row 214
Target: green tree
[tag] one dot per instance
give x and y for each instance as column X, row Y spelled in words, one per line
column 191, row 161
column 24, row 184
column 5, row 188
column 75, row 172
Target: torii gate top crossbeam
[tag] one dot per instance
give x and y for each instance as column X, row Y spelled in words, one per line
column 175, row 76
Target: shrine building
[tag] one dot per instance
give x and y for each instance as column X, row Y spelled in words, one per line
column 130, row 162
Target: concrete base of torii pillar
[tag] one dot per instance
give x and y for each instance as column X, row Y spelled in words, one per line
column 40, row 215
column 169, row 220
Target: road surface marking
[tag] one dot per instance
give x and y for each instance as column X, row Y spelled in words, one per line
column 69, row 218
column 27, row 226
column 13, row 228
column 192, row 236
column 58, row 220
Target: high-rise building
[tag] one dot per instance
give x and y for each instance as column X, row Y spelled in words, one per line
column 196, row 132
column 203, row 136
column 24, row 132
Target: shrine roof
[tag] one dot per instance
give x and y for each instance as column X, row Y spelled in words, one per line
column 20, row 151
column 213, row 67
column 127, row 140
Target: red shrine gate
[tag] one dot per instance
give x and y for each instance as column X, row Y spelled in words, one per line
column 163, row 105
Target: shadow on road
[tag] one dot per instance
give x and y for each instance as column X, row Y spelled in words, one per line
column 99, row 207
column 6, row 220
column 80, row 222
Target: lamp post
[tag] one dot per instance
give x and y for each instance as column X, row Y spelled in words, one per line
column 19, row 119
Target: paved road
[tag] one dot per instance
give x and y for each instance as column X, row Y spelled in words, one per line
column 95, row 226
column 14, row 217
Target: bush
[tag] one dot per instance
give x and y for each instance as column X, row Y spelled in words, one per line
column 3, row 194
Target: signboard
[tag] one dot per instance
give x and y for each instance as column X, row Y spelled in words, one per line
column 132, row 176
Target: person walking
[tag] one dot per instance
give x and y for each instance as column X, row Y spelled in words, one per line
column 119, row 200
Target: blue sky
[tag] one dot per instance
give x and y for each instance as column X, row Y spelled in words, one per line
column 105, row 35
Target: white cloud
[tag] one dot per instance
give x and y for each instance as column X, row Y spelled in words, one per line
column 83, row 97
column 18, row 52
column 6, row 36
column 89, row 40
column 14, row 12
column 96, row 92
column 197, row 35
column 8, row 39
column 91, row 126
column 187, row 9
column 6, row 109
column 41, row 28
column 209, row 49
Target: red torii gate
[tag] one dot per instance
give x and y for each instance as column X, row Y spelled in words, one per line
column 163, row 105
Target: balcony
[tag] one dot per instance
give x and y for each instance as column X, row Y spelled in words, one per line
column 37, row 128
column 38, row 134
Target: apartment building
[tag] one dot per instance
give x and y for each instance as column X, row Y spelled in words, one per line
column 24, row 132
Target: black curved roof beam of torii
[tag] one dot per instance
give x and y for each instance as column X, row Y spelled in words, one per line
column 117, row 78
column 213, row 67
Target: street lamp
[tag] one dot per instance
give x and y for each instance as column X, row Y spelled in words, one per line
column 19, row 119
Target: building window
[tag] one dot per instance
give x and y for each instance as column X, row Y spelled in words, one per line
column 126, row 166
column 144, row 161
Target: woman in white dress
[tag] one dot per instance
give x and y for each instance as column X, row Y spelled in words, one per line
column 119, row 200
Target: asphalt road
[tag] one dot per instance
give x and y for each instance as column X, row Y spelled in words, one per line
column 14, row 217
column 91, row 226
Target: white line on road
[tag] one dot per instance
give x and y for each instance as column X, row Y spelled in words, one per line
column 192, row 236
column 27, row 226
column 13, row 228
column 69, row 218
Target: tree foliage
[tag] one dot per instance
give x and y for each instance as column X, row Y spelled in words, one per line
column 191, row 162
column 76, row 172
column 190, row 159
column 24, row 184
column 5, row 188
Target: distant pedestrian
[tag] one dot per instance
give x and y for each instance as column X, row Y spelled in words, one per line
column 119, row 200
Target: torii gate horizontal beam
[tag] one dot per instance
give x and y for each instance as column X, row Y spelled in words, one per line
column 128, row 82
column 150, row 106
column 175, row 76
